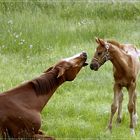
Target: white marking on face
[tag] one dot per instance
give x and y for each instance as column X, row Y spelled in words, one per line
column 70, row 58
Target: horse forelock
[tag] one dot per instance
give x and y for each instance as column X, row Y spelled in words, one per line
column 45, row 83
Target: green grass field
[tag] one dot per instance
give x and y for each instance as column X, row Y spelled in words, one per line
column 35, row 35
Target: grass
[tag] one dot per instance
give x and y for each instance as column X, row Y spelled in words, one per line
column 35, row 35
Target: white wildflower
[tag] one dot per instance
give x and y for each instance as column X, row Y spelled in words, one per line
column 21, row 43
column 30, row 46
column 10, row 22
column 17, row 36
column 23, row 40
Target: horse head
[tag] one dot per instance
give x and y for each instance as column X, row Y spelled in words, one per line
column 68, row 68
column 101, row 55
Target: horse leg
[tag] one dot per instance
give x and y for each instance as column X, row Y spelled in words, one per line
column 131, row 107
column 135, row 116
column 5, row 134
column 41, row 136
column 119, row 117
column 114, row 105
column 40, row 132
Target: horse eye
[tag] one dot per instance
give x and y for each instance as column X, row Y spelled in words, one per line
column 99, row 53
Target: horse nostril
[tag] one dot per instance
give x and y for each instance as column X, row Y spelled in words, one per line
column 91, row 66
column 94, row 66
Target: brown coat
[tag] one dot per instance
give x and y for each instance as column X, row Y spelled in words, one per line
column 20, row 107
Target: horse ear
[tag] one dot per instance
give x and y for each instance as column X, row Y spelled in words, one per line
column 97, row 40
column 101, row 41
column 61, row 72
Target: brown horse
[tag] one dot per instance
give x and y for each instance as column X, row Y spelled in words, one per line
column 20, row 107
column 124, row 58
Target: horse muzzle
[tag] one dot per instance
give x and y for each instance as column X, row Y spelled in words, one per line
column 94, row 66
column 84, row 55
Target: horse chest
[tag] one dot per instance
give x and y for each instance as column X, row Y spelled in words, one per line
column 30, row 119
column 21, row 121
column 124, row 80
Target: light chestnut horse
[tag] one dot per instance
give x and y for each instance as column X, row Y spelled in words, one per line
column 124, row 58
column 20, row 107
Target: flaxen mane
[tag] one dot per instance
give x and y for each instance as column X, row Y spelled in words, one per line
column 123, row 47
column 115, row 43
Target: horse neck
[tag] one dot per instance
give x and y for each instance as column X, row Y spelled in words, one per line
column 119, row 60
column 53, row 83
column 26, row 95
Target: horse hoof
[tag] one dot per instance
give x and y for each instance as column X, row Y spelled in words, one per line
column 119, row 120
column 108, row 130
column 132, row 132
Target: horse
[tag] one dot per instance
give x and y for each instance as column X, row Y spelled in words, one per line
column 125, row 60
column 20, row 107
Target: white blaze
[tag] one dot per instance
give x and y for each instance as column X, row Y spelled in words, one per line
column 70, row 58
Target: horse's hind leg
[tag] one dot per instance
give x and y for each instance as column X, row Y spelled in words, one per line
column 131, row 106
column 119, row 117
column 5, row 134
column 135, row 116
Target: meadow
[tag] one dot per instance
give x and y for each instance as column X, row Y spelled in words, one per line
column 35, row 35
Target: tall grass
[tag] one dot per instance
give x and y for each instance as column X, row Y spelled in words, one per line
column 35, row 35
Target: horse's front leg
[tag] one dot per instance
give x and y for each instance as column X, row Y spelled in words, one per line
column 41, row 136
column 132, row 107
column 114, row 106
column 119, row 117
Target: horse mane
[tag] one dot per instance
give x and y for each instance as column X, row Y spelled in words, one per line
column 117, row 44
column 46, row 82
column 113, row 42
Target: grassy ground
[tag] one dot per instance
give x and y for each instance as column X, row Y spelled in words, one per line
column 35, row 35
